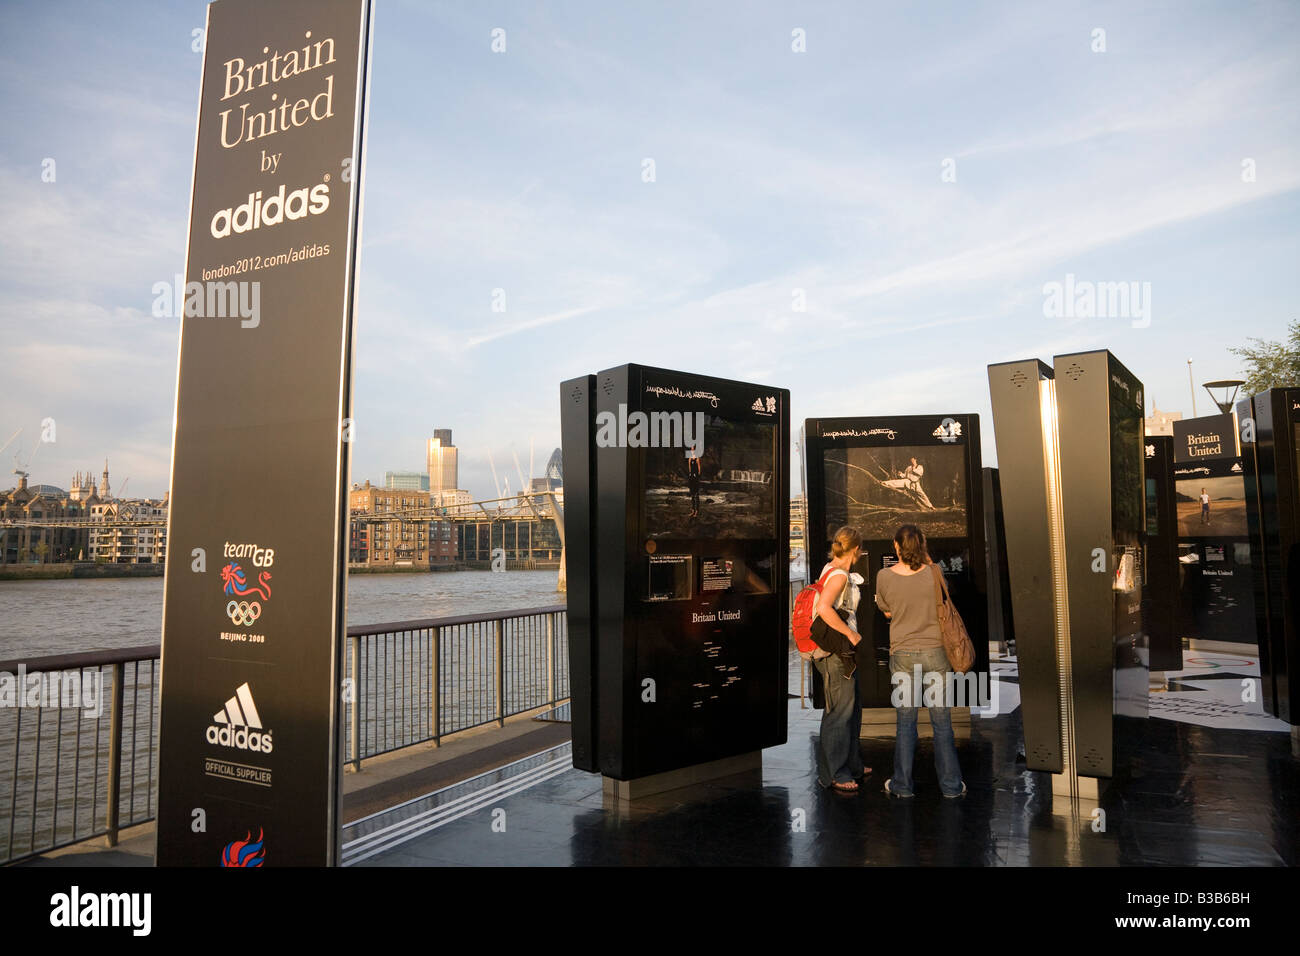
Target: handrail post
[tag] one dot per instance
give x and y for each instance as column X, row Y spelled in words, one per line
column 115, row 754
column 500, row 673
column 356, row 705
column 550, row 658
column 434, row 708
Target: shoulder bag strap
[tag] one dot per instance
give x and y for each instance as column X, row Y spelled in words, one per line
column 940, row 586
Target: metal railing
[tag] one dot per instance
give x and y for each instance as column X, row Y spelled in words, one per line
column 68, row 774
column 418, row 681
column 79, row 755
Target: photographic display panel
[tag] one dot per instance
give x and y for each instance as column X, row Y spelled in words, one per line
column 249, row 752
column 690, row 498
column 879, row 472
column 1215, row 581
column 1271, row 464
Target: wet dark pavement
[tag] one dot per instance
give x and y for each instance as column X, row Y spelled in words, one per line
column 1183, row 795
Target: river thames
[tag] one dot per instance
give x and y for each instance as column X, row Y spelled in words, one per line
column 67, row 616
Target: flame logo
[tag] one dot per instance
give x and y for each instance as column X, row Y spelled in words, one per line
column 244, row 852
column 234, row 582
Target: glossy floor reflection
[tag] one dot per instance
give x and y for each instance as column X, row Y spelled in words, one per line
column 1184, row 795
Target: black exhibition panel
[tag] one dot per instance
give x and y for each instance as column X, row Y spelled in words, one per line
column 684, row 654
column 1273, row 516
column 1160, row 583
column 879, row 472
column 1100, row 424
column 1023, row 414
column 1001, row 621
column 250, row 745
column 578, row 452
column 1215, row 586
column 1253, row 481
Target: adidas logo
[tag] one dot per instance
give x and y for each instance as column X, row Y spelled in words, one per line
column 239, row 725
column 758, row 405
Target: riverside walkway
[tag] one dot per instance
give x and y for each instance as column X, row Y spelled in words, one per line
column 1185, row 794
column 382, row 783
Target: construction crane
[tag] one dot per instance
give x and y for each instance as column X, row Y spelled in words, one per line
column 23, row 467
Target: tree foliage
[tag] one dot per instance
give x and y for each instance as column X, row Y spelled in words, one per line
column 1272, row 364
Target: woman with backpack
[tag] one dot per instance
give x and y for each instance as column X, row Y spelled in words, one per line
column 905, row 593
column 839, row 759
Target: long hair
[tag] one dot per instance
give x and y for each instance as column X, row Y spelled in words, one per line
column 911, row 546
column 844, row 541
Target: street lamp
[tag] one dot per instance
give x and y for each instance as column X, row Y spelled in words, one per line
column 1229, row 397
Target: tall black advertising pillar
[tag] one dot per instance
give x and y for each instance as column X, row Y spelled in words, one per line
column 677, row 501
column 1101, row 421
column 1071, row 454
column 1160, row 586
column 578, row 449
column 1271, row 456
column 877, row 473
column 1024, row 424
column 1001, row 620
column 254, row 606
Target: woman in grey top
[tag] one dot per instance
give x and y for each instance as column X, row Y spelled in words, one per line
column 905, row 593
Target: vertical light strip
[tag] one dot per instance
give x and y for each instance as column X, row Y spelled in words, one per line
column 1060, row 590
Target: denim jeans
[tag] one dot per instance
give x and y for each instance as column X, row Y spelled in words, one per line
column 945, row 747
column 839, row 758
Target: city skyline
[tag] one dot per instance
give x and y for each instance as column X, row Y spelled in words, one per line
column 795, row 226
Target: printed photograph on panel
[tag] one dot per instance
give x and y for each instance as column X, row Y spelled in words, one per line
column 877, row 489
column 726, row 489
column 1211, row 506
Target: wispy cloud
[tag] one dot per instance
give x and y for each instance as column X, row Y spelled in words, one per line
column 798, row 231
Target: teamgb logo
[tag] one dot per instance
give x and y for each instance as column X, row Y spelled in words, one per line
column 239, row 725
column 235, row 584
column 245, row 852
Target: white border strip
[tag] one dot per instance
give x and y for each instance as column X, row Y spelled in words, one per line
column 437, row 817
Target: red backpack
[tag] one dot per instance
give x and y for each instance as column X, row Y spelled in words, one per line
column 805, row 606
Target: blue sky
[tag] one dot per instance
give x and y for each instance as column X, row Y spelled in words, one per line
column 775, row 171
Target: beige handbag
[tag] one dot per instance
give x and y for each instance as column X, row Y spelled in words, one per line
column 956, row 642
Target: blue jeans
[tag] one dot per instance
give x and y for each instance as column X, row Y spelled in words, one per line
column 839, row 758
column 945, row 747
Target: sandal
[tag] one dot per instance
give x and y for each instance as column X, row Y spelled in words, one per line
column 847, row 786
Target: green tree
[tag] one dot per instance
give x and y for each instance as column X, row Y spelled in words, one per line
column 1272, row 364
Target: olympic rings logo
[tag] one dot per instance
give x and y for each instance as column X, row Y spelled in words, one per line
column 243, row 613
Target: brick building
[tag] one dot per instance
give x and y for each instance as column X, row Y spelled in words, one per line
column 381, row 535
